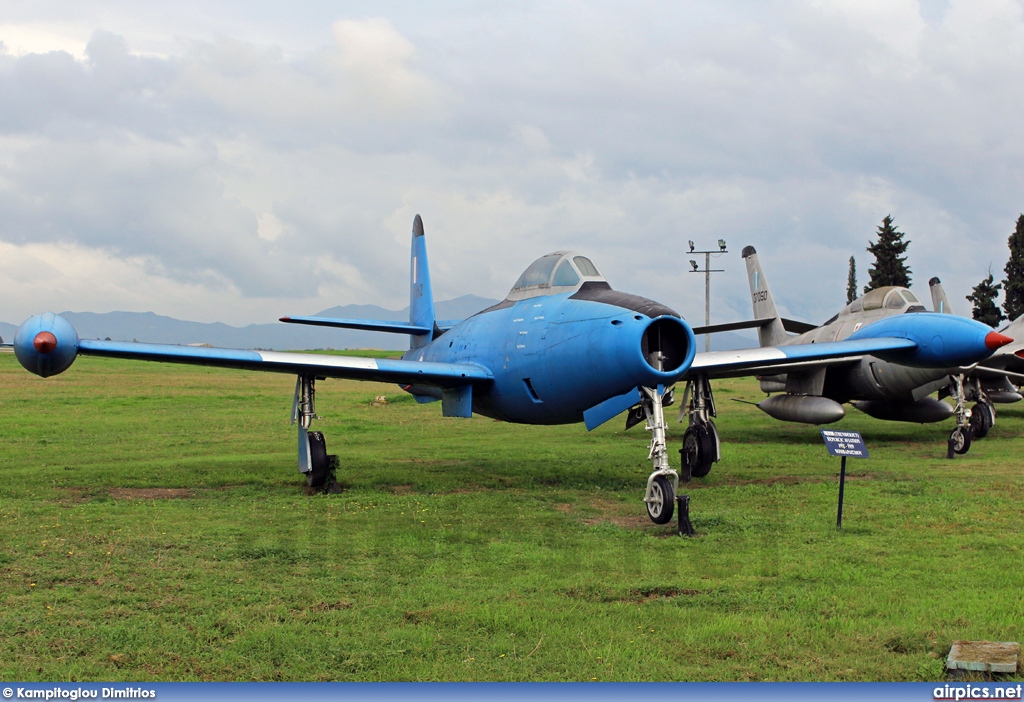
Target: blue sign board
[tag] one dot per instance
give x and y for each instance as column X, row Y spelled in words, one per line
column 844, row 443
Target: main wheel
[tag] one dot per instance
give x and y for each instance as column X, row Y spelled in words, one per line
column 663, row 500
column 961, row 440
column 698, row 450
column 982, row 419
column 319, row 466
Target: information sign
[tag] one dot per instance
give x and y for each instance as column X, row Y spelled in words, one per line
column 844, row 443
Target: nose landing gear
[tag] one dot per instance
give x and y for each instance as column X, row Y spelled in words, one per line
column 663, row 481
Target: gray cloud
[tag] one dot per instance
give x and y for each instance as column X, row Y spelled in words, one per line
column 619, row 130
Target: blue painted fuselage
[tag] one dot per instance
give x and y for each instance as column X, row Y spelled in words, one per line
column 554, row 356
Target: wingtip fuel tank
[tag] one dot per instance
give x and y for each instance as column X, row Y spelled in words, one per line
column 46, row 344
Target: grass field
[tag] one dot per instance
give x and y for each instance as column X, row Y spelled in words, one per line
column 153, row 527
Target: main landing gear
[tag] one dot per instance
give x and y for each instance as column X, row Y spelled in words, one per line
column 983, row 414
column 700, row 444
column 313, row 459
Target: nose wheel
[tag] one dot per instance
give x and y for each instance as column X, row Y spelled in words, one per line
column 662, row 500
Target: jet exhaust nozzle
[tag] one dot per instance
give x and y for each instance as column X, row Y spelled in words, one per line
column 46, row 344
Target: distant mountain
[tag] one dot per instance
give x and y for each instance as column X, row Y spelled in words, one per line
column 157, row 329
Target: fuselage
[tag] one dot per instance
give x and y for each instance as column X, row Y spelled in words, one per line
column 870, row 378
column 554, row 355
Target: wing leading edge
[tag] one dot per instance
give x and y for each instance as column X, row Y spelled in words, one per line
column 385, row 370
column 770, row 359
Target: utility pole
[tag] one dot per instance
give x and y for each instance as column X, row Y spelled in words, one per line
column 707, row 282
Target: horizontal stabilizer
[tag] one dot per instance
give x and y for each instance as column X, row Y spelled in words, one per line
column 610, row 408
column 365, row 324
column 790, row 325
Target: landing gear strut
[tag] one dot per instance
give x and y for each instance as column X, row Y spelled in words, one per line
column 313, row 459
column 960, row 437
column 663, row 481
column 701, row 446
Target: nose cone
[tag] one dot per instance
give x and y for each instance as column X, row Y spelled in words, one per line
column 45, row 342
column 993, row 340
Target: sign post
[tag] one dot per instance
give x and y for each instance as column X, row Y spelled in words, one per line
column 843, row 444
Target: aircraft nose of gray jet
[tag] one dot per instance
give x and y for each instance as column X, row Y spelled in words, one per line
column 995, row 340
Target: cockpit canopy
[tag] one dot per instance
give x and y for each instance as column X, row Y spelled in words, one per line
column 890, row 297
column 562, row 271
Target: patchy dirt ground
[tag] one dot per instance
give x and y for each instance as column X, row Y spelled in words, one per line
column 149, row 493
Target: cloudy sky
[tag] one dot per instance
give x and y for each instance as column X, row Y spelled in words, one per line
column 236, row 162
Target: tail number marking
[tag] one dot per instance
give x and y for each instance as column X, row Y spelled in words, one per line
column 761, row 296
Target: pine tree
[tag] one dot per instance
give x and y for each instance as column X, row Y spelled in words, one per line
column 983, row 297
column 890, row 267
column 1013, row 284
column 851, row 282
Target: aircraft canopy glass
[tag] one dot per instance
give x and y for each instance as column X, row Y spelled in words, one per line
column 562, row 270
column 890, row 297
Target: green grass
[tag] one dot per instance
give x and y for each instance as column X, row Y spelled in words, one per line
column 153, row 526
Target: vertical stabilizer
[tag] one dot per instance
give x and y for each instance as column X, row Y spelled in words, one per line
column 940, row 303
column 421, row 297
column 771, row 333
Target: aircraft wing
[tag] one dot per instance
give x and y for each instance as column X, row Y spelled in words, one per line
column 385, row 370
column 983, row 371
column 779, row 359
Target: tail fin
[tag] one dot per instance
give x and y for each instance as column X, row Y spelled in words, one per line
column 940, row 303
column 772, row 333
column 421, row 297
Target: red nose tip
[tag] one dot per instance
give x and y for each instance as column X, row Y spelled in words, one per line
column 45, row 342
column 993, row 340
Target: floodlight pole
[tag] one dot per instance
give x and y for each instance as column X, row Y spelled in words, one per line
column 707, row 284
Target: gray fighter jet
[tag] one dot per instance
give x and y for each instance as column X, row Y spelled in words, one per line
column 815, row 393
column 992, row 381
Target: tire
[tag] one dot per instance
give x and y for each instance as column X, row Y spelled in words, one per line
column 660, row 510
column 319, row 466
column 981, row 420
column 961, row 440
column 698, row 450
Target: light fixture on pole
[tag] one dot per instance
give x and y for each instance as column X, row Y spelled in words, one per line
column 707, row 282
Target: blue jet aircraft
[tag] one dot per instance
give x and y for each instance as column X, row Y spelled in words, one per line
column 562, row 347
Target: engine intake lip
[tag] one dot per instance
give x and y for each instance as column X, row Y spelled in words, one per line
column 668, row 347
